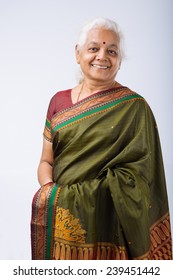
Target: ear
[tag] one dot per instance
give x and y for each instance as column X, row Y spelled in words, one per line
column 77, row 54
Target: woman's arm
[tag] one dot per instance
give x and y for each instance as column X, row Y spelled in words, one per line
column 45, row 165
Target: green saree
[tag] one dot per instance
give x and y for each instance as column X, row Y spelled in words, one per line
column 109, row 200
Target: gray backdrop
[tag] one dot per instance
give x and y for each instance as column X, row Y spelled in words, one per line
column 37, row 40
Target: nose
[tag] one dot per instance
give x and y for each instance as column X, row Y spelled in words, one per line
column 101, row 55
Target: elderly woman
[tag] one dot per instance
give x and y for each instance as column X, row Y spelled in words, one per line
column 103, row 193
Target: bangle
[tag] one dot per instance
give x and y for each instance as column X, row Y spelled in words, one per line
column 49, row 183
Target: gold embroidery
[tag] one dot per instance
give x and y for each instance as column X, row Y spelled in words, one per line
column 161, row 240
column 67, row 227
column 98, row 251
column 69, row 241
column 160, row 236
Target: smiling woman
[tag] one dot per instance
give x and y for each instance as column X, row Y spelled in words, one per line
column 103, row 192
column 99, row 58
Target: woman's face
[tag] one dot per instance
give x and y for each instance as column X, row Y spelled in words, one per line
column 99, row 58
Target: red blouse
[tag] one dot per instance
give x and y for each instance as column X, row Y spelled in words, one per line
column 59, row 102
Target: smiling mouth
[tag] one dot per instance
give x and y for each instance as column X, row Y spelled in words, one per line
column 100, row 66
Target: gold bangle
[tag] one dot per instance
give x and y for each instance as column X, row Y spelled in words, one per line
column 51, row 182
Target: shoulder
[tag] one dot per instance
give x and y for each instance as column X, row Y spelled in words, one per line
column 128, row 93
column 135, row 96
column 59, row 101
column 60, row 94
column 137, row 105
column 138, row 101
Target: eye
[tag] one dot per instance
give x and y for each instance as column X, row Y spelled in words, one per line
column 112, row 52
column 93, row 49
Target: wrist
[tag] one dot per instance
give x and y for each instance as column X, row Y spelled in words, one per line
column 50, row 183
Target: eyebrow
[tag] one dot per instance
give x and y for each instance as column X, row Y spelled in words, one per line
column 114, row 45
column 93, row 43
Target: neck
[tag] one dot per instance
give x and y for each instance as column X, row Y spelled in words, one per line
column 92, row 87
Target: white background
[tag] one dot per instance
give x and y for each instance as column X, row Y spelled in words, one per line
column 37, row 40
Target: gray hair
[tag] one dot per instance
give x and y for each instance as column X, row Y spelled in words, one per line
column 105, row 23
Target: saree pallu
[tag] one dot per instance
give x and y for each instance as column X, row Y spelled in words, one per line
column 109, row 200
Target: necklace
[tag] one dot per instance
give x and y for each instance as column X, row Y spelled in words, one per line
column 79, row 94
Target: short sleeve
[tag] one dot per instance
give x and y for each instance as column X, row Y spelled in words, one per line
column 50, row 112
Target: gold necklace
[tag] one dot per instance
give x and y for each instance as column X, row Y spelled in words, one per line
column 80, row 92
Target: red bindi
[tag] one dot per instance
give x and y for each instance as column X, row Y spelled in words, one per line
column 104, row 42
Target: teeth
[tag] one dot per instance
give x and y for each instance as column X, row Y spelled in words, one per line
column 100, row 66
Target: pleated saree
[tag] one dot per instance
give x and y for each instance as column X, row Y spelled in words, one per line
column 109, row 200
